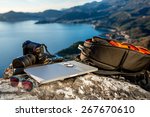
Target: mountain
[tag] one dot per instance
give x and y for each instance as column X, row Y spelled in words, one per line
column 111, row 8
column 72, row 50
column 21, row 16
column 132, row 16
column 85, row 12
column 18, row 16
column 50, row 14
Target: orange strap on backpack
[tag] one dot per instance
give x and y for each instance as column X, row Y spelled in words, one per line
column 130, row 46
column 117, row 44
column 143, row 50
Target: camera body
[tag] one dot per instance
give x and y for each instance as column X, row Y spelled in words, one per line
column 33, row 53
column 30, row 47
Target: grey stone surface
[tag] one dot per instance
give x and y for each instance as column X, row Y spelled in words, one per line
column 89, row 87
column 86, row 87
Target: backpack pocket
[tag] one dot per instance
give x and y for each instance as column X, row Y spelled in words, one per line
column 136, row 61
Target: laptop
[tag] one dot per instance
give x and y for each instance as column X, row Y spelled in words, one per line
column 58, row 71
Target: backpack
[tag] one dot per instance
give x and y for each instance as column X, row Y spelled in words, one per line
column 115, row 58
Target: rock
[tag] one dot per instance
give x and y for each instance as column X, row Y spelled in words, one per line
column 86, row 87
column 90, row 87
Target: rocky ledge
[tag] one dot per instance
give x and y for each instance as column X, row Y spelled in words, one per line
column 86, row 87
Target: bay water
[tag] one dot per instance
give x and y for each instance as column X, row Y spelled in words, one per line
column 56, row 36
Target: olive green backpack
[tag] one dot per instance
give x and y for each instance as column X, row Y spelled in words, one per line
column 112, row 60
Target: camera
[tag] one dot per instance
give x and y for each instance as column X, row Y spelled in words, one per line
column 30, row 47
column 24, row 61
column 33, row 53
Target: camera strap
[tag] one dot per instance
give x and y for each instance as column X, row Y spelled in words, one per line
column 47, row 50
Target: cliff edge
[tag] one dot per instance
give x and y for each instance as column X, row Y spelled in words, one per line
column 86, row 87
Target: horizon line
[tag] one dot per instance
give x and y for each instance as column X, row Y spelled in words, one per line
column 42, row 10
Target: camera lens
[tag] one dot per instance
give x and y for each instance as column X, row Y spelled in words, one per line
column 31, row 58
column 24, row 61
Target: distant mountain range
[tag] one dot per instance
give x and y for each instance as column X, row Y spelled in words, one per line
column 12, row 16
column 130, row 15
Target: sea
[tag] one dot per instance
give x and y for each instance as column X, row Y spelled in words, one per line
column 56, row 36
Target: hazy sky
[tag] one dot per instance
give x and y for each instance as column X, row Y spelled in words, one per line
column 38, row 5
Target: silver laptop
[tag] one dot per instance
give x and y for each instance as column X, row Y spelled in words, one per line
column 58, row 71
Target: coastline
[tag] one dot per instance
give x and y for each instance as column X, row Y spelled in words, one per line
column 96, row 26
